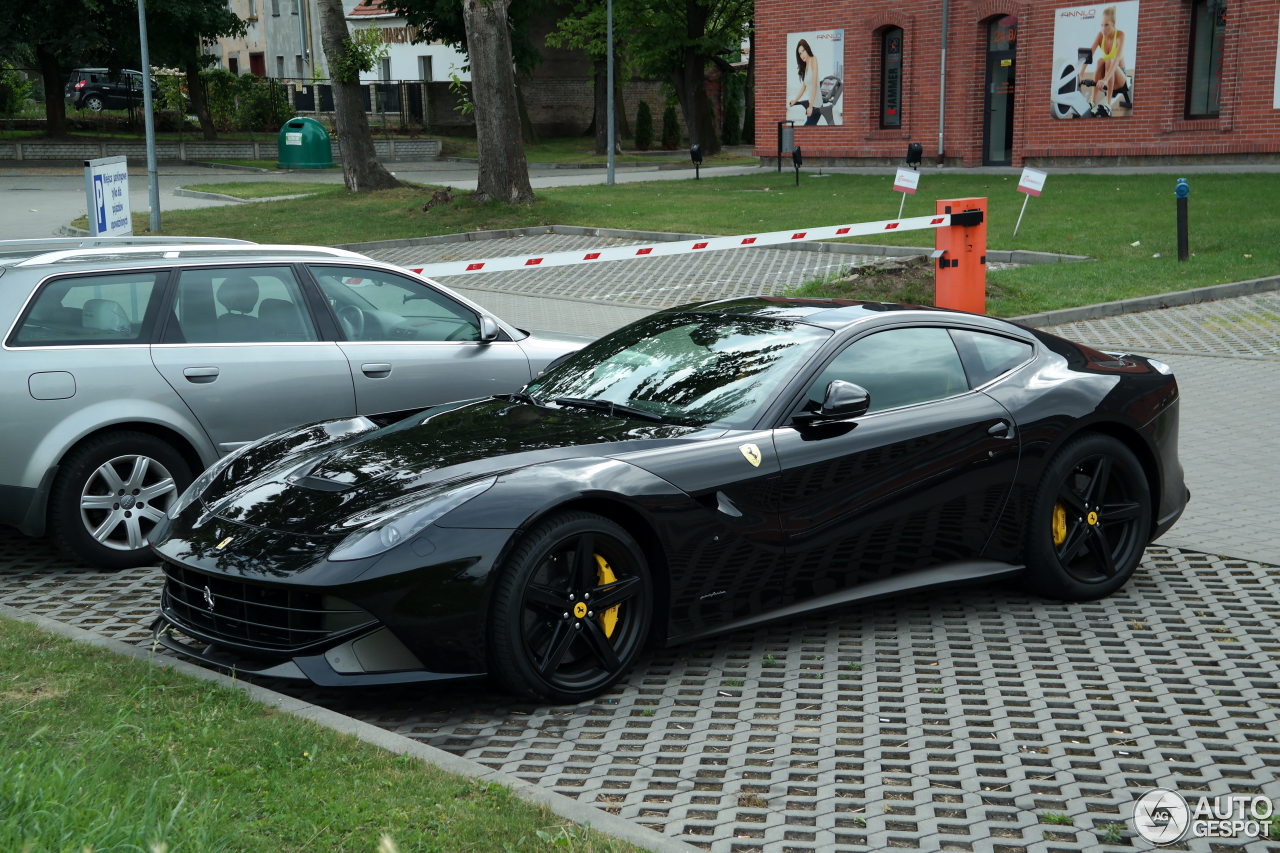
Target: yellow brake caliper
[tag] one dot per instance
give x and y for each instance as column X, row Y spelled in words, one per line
column 1059, row 524
column 604, row 577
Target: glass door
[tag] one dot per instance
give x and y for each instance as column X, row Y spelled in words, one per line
column 997, row 131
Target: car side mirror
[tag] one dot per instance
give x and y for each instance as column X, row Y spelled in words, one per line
column 489, row 330
column 842, row 400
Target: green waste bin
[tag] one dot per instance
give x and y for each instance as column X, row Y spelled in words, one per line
column 303, row 144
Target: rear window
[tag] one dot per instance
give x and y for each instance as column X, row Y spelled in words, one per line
column 88, row 310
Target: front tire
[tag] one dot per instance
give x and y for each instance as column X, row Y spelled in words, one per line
column 1090, row 521
column 110, row 493
column 571, row 609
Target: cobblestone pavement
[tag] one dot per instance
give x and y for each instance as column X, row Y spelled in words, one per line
column 650, row 283
column 976, row 719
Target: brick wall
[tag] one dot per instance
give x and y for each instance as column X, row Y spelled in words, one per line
column 1247, row 127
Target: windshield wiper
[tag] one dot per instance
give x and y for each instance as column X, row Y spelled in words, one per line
column 617, row 410
column 518, row 397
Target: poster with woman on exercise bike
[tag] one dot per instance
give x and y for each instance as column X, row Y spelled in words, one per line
column 1094, row 50
column 815, row 77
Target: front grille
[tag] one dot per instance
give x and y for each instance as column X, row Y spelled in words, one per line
column 274, row 619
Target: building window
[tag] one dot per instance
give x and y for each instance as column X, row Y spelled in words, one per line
column 233, row 65
column 424, row 68
column 253, row 9
column 279, row 67
column 1204, row 67
column 385, row 68
column 891, row 77
column 275, row 8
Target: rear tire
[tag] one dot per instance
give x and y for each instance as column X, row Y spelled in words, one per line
column 571, row 609
column 1090, row 521
column 94, row 103
column 110, row 493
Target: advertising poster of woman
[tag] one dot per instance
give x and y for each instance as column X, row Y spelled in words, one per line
column 815, row 77
column 1094, row 50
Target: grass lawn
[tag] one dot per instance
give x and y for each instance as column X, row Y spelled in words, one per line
column 1124, row 222
column 99, row 752
column 260, row 189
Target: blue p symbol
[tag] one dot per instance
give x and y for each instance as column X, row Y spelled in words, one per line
column 100, row 204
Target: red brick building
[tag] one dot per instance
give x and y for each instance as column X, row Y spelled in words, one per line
column 1032, row 82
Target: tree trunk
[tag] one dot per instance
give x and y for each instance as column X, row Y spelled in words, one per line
column 695, row 105
column 360, row 166
column 199, row 100
column 55, row 108
column 504, row 172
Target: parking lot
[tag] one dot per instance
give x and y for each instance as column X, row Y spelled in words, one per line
column 971, row 719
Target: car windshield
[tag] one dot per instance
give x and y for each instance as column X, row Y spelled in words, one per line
column 694, row 369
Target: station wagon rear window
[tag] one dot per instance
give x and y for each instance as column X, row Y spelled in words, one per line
column 95, row 309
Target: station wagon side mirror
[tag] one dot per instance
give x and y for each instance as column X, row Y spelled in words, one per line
column 489, row 330
column 841, row 400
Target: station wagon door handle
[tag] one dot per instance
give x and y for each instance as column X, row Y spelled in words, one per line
column 377, row 370
column 1000, row 429
column 200, row 374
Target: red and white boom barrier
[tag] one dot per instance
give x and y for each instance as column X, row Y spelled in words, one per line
column 960, row 241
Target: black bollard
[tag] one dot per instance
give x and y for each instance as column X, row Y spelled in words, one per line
column 1181, row 191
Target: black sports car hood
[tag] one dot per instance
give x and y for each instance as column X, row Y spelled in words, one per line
column 320, row 493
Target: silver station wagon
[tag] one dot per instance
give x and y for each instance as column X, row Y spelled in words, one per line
column 131, row 364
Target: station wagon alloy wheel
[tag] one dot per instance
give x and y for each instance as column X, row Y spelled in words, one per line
column 111, row 493
column 124, row 499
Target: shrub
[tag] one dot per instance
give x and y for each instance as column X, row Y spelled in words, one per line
column 732, row 134
column 670, row 129
column 15, row 90
column 245, row 102
column 644, row 127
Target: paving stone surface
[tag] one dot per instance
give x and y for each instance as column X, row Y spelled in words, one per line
column 958, row 720
column 652, row 282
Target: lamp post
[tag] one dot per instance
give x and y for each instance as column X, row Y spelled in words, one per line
column 609, row 78
column 695, row 154
column 149, row 121
column 797, row 160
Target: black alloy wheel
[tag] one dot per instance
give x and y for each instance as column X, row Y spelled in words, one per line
column 1090, row 522
column 571, row 609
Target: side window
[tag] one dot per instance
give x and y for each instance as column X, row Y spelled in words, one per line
column 1204, row 66
column 96, row 309
column 987, row 356
column 899, row 367
column 242, row 305
column 375, row 305
column 891, row 77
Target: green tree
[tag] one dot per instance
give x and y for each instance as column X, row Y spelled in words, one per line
column 671, row 129
column 177, row 30
column 675, row 41
column 495, row 36
column 63, row 34
column 644, row 127
column 347, row 57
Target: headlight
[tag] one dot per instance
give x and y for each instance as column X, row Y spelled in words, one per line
column 204, row 481
column 383, row 534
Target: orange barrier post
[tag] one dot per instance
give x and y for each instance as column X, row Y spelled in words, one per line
column 960, row 277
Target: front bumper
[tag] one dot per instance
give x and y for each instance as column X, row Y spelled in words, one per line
column 347, row 664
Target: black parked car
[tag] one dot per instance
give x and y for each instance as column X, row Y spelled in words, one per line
column 100, row 89
column 705, row 469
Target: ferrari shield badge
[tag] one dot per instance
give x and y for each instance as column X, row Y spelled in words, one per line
column 752, row 453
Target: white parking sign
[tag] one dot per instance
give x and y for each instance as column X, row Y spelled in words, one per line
column 106, row 186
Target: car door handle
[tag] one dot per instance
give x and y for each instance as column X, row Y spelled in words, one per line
column 200, row 374
column 376, row 370
column 999, row 429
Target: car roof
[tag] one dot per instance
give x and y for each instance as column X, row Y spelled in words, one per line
column 132, row 251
